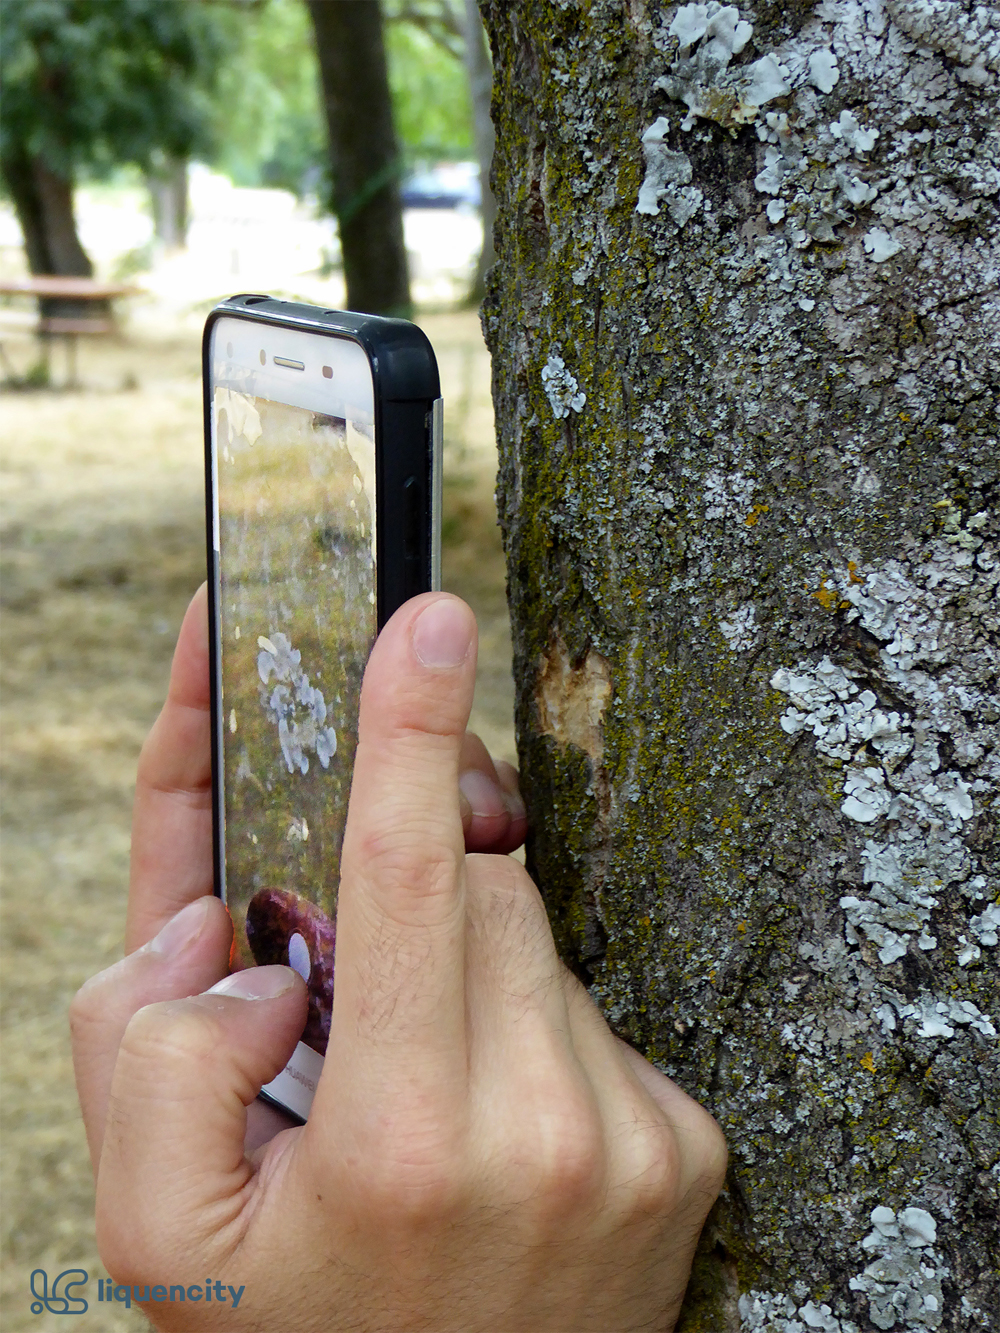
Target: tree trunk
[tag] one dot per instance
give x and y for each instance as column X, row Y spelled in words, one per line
column 364, row 156
column 745, row 328
column 43, row 200
column 168, row 193
column 480, row 73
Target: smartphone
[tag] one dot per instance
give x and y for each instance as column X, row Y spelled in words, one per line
column 323, row 434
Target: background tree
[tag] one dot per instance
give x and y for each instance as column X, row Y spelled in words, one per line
column 745, row 332
column 167, row 181
column 480, row 72
column 456, row 30
column 365, row 163
column 89, row 84
column 269, row 125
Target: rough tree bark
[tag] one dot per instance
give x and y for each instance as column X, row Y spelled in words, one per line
column 364, row 157
column 746, row 348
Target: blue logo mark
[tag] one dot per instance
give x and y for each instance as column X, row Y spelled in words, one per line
column 60, row 1300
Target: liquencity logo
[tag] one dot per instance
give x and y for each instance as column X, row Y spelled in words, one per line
column 61, row 1299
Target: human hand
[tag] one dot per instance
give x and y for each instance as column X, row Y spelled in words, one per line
column 482, row 1153
column 171, row 860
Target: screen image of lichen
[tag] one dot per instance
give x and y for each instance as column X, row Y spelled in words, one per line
column 297, row 622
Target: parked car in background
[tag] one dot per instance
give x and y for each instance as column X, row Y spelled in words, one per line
column 447, row 185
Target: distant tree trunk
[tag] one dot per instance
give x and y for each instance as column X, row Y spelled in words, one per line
column 746, row 345
column 364, row 156
column 168, row 193
column 480, row 73
column 43, row 201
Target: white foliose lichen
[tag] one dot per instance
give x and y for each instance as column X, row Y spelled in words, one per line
column 986, row 926
column 817, row 168
column 938, row 1017
column 708, row 37
column 298, row 830
column 903, row 1280
column 902, row 1283
column 561, row 388
column 667, row 178
column 727, row 495
column 823, row 71
column 894, row 779
column 740, row 629
column 762, row 1312
column 968, row 36
column 880, row 245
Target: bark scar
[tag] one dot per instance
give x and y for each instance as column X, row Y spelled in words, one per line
column 572, row 699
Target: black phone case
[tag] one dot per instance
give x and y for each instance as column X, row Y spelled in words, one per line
column 407, row 455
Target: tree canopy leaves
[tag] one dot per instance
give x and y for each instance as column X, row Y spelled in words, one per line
column 89, row 84
column 269, row 124
column 93, row 84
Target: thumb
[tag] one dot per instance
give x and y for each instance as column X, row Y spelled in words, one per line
column 173, row 1163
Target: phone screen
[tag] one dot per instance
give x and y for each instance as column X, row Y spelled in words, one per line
column 294, row 491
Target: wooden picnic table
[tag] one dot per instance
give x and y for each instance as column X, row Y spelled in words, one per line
column 68, row 327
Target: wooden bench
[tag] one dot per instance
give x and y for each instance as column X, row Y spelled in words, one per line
column 69, row 328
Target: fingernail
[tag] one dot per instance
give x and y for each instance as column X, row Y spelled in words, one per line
column 442, row 635
column 255, row 983
column 181, row 929
column 515, row 805
column 482, row 793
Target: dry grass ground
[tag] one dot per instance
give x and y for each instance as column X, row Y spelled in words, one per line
column 103, row 545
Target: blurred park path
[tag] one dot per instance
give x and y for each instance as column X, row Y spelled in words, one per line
column 103, row 538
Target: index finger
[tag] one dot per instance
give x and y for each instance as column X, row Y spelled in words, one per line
column 171, row 862
column 399, row 997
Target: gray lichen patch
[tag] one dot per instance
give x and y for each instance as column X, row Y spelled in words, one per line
column 667, row 177
column 561, row 388
column 572, row 700
column 901, row 1282
column 709, row 36
column 816, row 166
column 889, row 760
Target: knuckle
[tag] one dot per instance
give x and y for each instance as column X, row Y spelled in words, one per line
column 507, row 879
column 676, row 1166
column 567, row 1162
column 169, row 1033
column 714, row 1156
column 504, row 904
column 574, row 1171
column 414, row 713
column 123, row 1251
column 180, row 769
column 87, row 1008
column 407, row 869
column 653, row 1167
